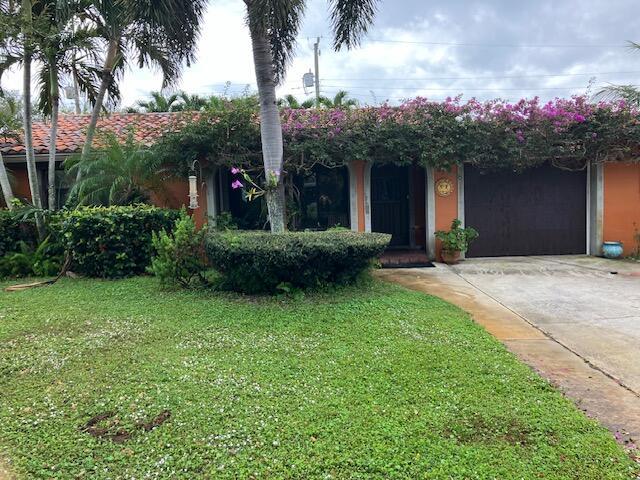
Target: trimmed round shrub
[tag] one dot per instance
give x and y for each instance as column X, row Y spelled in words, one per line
column 114, row 242
column 262, row 262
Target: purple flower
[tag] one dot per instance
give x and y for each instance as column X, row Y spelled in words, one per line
column 579, row 118
column 235, row 170
column 237, row 184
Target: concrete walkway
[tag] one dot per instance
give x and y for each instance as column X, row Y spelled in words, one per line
column 568, row 317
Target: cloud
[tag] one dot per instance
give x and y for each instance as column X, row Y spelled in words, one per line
column 502, row 49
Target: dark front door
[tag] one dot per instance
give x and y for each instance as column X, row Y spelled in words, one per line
column 539, row 212
column 390, row 203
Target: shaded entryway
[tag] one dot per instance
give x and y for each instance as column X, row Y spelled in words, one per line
column 542, row 211
column 398, row 205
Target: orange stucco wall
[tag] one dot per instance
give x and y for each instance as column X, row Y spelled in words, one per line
column 175, row 194
column 622, row 204
column 446, row 208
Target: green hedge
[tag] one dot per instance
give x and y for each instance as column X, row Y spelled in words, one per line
column 261, row 262
column 13, row 232
column 113, row 242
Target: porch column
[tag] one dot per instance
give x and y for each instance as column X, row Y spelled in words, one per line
column 360, row 195
column 430, row 209
column 212, row 195
column 460, row 191
column 595, row 208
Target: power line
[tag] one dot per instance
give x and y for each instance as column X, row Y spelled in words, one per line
column 454, row 88
column 499, row 45
column 493, row 77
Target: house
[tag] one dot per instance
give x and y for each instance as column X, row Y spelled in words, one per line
column 544, row 211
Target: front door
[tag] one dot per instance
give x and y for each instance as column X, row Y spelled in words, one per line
column 390, row 203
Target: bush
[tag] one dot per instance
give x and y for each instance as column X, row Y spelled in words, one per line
column 259, row 262
column 14, row 231
column 179, row 256
column 113, row 242
column 43, row 261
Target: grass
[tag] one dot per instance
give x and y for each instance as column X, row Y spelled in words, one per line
column 366, row 382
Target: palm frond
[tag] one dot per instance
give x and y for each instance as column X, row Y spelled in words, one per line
column 350, row 20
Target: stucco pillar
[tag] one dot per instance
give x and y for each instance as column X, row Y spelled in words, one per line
column 213, row 206
column 430, row 209
column 359, row 195
column 595, row 196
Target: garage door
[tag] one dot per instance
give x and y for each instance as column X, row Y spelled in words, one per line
column 539, row 212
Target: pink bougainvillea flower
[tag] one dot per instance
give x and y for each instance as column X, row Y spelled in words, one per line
column 235, row 170
column 237, row 184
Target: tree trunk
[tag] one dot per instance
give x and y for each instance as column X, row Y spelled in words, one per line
column 270, row 127
column 7, row 191
column 107, row 75
column 34, row 187
column 55, row 105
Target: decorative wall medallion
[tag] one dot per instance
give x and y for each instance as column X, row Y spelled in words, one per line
column 444, row 187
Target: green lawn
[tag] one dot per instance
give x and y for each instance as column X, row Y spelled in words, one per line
column 366, row 382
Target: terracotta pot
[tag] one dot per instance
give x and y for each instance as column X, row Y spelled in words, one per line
column 450, row 258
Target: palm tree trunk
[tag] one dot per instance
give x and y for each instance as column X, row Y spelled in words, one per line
column 107, row 74
column 28, row 119
column 270, row 127
column 7, row 191
column 55, row 105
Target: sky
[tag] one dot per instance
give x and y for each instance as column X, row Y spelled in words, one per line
column 485, row 49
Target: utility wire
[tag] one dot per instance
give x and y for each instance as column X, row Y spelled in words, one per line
column 542, row 75
column 500, row 45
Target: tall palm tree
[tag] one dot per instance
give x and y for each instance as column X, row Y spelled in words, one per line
column 273, row 26
column 151, row 32
column 63, row 50
column 9, row 126
column 160, row 103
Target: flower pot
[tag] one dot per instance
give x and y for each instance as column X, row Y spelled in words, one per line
column 612, row 249
column 450, row 257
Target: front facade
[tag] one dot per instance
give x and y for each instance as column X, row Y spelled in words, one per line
column 543, row 211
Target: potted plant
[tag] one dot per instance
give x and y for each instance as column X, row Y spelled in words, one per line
column 455, row 241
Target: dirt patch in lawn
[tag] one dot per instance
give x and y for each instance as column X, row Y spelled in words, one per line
column 106, row 426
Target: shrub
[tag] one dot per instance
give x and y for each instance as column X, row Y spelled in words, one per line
column 13, row 231
column 43, row 261
column 113, row 242
column 257, row 262
column 179, row 256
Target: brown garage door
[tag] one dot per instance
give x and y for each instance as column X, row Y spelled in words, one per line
column 539, row 212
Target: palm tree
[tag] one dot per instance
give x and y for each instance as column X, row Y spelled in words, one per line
column 191, row 103
column 160, row 103
column 9, row 126
column 154, row 32
column 340, row 100
column 120, row 173
column 628, row 93
column 289, row 101
column 63, row 49
column 273, row 26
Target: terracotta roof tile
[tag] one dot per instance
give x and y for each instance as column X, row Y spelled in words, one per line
column 148, row 127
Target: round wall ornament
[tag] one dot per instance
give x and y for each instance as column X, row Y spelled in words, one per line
column 444, row 187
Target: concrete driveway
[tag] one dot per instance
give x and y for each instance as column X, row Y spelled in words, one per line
column 575, row 319
column 590, row 305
